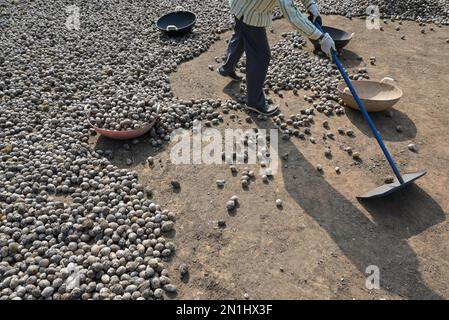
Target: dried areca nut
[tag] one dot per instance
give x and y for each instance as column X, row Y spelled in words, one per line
column 412, row 147
column 389, row 179
column 278, row 203
column 220, row 183
column 230, row 205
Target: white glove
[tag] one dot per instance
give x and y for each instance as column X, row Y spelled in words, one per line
column 327, row 44
column 315, row 12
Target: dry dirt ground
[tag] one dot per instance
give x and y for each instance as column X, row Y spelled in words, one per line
column 320, row 243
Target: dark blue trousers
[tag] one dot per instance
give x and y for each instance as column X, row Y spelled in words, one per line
column 253, row 41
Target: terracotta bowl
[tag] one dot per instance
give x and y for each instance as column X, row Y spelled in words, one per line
column 122, row 134
column 376, row 96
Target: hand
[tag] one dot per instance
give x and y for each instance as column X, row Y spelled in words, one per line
column 315, row 14
column 327, row 45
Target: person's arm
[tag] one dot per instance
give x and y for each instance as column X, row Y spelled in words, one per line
column 291, row 12
column 313, row 10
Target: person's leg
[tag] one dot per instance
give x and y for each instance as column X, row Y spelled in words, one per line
column 234, row 52
column 258, row 57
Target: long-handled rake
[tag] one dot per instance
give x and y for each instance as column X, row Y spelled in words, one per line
column 401, row 180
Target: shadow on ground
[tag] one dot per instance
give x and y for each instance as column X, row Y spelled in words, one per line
column 381, row 242
column 384, row 124
column 350, row 59
column 232, row 89
column 138, row 153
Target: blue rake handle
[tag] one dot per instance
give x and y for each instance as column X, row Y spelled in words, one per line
column 365, row 113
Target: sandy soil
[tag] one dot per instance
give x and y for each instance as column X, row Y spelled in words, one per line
column 320, row 243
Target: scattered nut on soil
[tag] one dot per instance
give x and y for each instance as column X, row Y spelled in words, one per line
column 230, row 205
column 183, row 270
column 175, row 184
column 389, row 179
column 350, row 132
column 278, row 203
column 221, row 223
column 220, row 183
column 412, row 147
